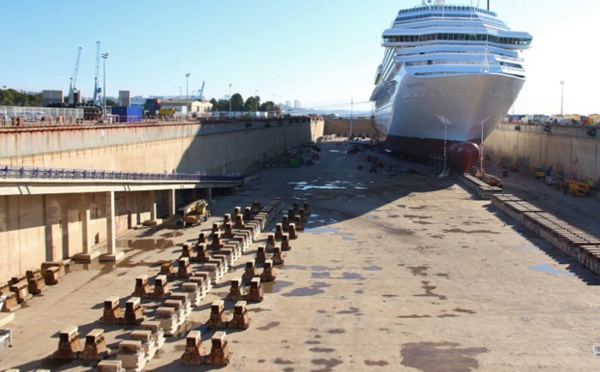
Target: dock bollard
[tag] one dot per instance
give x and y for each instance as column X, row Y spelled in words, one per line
column 186, row 250
column 285, row 222
column 278, row 231
column 183, row 268
column 166, row 268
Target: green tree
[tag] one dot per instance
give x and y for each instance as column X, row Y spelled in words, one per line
column 252, row 104
column 223, row 105
column 269, row 106
column 110, row 102
column 237, row 102
column 214, row 104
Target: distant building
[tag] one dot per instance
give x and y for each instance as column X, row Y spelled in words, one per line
column 288, row 104
column 52, row 96
column 124, row 98
column 297, row 104
column 191, row 107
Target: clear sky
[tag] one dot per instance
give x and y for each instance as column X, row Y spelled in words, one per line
column 321, row 52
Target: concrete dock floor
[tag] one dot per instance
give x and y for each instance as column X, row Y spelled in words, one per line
column 395, row 271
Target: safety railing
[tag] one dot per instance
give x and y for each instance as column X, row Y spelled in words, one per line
column 28, row 172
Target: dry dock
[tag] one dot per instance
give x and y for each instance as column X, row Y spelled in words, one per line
column 395, row 271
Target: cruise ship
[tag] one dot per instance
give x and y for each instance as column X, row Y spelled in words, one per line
column 449, row 75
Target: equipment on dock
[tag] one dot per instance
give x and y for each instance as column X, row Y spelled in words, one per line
column 576, row 188
column 195, row 213
column 74, row 94
column 97, row 89
column 152, row 106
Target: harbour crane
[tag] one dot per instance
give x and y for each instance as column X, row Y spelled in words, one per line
column 97, row 89
column 201, row 91
column 73, row 88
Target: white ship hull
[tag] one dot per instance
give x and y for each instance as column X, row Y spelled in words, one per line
column 451, row 107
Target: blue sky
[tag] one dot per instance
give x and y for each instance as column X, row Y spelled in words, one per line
column 321, row 52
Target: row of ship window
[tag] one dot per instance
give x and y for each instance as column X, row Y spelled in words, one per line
column 471, row 62
column 462, row 37
column 446, row 16
column 445, row 8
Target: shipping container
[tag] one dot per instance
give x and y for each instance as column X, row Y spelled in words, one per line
column 127, row 114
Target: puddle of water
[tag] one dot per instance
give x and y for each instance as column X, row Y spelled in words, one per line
column 329, row 364
column 378, row 363
column 320, row 275
column 276, row 286
column 372, row 268
column 372, row 217
column 441, row 356
column 304, row 292
column 349, row 239
column 353, row 276
column 321, row 350
column 268, row 326
column 322, row 230
column 550, row 270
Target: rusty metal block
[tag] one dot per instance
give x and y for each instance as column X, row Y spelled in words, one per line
column 112, row 311
column 35, row 281
column 240, row 316
column 261, row 255
column 166, row 268
column 285, row 243
column 161, row 287
column 255, row 294
column 69, row 345
column 270, row 242
column 235, row 291
column 239, row 221
column 217, row 241
column 186, row 250
column 219, row 352
column 218, row 317
column 194, row 353
column 133, row 311
column 249, row 272
column 292, row 231
column 142, row 287
column 268, row 274
column 183, row 268
column 277, row 257
column 95, row 346
column 21, row 290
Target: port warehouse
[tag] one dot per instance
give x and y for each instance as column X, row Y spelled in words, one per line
column 38, row 228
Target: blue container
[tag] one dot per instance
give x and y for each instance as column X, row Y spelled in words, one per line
column 127, row 114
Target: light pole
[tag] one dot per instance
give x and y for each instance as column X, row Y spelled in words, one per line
column 187, row 79
column 562, row 96
column 104, row 58
column 229, row 97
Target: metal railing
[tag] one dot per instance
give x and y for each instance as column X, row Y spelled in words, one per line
column 28, row 172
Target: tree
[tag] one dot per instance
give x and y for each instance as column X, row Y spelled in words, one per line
column 214, row 104
column 237, row 102
column 11, row 97
column 251, row 104
column 269, row 106
column 110, row 102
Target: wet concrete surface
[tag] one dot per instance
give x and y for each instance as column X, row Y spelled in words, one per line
column 394, row 271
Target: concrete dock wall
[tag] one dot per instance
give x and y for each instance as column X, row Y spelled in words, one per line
column 341, row 127
column 187, row 147
column 570, row 151
column 38, row 228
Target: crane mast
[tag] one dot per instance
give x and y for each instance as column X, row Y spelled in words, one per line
column 201, row 91
column 73, row 88
column 97, row 89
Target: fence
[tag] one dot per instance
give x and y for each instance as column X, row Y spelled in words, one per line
column 20, row 172
column 37, row 115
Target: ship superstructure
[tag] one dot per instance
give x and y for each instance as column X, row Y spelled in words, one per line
column 449, row 75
